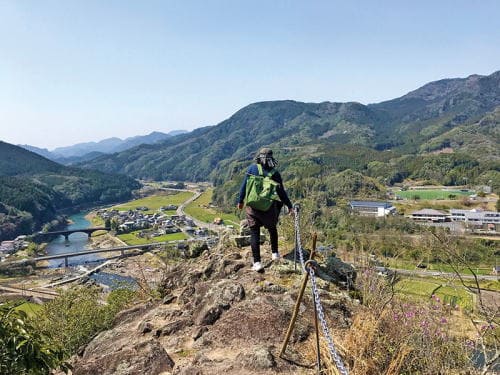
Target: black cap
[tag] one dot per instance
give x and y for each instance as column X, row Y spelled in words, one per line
column 265, row 152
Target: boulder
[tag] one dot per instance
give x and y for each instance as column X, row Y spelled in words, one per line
column 215, row 299
column 259, row 358
column 168, row 299
column 106, row 356
column 145, row 327
column 173, row 327
column 337, row 271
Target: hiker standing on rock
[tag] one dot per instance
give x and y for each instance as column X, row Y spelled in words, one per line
column 264, row 195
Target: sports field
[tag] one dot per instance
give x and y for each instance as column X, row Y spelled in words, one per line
column 433, row 194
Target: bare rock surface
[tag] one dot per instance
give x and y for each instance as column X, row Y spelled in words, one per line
column 218, row 317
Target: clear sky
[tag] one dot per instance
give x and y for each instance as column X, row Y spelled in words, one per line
column 75, row 71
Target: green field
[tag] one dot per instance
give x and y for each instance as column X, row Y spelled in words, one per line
column 154, row 202
column 455, row 295
column 132, row 239
column 432, row 194
column 200, row 210
column 416, row 287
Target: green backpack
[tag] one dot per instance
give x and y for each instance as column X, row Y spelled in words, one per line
column 261, row 190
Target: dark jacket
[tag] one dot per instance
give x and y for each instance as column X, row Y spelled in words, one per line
column 254, row 170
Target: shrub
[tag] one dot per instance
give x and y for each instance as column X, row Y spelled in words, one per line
column 77, row 315
column 24, row 349
column 392, row 336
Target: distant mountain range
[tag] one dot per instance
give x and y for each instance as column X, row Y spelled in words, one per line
column 33, row 189
column 82, row 152
column 450, row 115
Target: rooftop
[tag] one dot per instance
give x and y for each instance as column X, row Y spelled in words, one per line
column 429, row 212
column 370, row 204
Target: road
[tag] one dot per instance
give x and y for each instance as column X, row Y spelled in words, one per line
column 201, row 224
column 425, row 273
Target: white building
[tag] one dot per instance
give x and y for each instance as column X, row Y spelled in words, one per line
column 372, row 208
column 428, row 214
column 476, row 218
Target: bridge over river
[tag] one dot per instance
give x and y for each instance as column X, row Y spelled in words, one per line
column 68, row 232
column 121, row 249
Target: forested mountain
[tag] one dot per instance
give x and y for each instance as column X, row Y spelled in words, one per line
column 33, row 188
column 436, row 108
column 479, row 138
column 371, row 139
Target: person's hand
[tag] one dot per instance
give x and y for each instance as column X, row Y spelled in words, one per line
column 239, row 206
column 291, row 212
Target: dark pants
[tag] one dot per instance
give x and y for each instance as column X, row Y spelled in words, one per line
column 268, row 219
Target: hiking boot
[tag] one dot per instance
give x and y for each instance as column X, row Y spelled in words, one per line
column 257, row 267
column 276, row 256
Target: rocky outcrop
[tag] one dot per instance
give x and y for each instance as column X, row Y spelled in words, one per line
column 216, row 316
column 119, row 352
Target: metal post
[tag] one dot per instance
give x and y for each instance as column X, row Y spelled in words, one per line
column 66, row 262
column 294, row 315
column 297, row 303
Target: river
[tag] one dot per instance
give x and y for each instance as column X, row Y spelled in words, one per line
column 77, row 242
column 80, row 242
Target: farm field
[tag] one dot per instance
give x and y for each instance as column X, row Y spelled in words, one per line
column 455, row 295
column 200, row 210
column 420, row 288
column 154, row 202
column 132, row 239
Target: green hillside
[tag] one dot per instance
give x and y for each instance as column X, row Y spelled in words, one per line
column 33, row 189
column 330, row 137
column 480, row 138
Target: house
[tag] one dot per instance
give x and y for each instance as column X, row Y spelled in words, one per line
column 170, row 207
column 428, row 214
column 372, row 208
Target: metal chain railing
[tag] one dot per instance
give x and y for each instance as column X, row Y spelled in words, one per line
column 298, row 240
column 317, row 301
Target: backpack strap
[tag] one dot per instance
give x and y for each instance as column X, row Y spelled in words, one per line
column 261, row 171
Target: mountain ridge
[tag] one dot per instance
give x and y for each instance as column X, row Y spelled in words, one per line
column 84, row 151
column 402, row 124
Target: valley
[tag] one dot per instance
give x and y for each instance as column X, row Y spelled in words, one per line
column 404, row 193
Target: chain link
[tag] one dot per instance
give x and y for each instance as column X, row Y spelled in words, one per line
column 324, row 325
column 298, row 240
column 317, row 301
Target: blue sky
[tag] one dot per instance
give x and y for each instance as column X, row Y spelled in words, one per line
column 74, row 71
